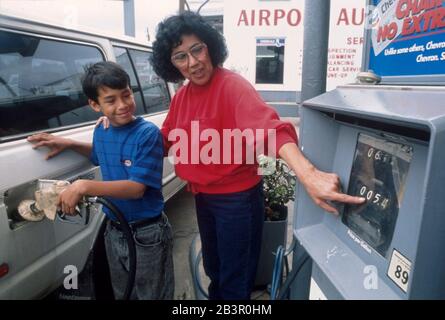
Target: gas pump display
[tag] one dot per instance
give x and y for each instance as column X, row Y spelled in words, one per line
column 387, row 144
column 379, row 174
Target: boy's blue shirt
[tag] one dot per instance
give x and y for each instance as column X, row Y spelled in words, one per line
column 132, row 152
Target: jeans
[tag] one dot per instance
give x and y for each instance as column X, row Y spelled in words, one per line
column 154, row 267
column 230, row 227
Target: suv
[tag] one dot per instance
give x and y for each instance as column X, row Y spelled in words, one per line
column 40, row 90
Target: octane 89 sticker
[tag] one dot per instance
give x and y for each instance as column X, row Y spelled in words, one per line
column 399, row 270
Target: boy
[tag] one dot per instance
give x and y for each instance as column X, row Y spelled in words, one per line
column 130, row 157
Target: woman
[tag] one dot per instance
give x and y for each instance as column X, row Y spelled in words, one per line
column 228, row 195
column 226, row 185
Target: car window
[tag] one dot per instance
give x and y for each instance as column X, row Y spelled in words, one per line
column 123, row 59
column 40, row 84
column 154, row 89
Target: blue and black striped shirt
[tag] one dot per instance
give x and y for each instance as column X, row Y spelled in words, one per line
column 132, row 152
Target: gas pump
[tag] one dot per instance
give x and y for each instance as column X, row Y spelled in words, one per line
column 386, row 141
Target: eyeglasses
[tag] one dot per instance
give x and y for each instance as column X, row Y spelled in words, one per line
column 197, row 51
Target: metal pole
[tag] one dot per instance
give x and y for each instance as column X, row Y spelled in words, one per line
column 315, row 47
column 129, row 20
column 315, row 57
column 183, row 6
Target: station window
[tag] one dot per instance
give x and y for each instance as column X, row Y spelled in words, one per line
column 269, row 60
column 40, row 84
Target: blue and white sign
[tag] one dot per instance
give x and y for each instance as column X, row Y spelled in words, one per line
column 270, row 42
column 407, row 38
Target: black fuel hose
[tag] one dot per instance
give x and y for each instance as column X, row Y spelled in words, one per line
column 130, row 242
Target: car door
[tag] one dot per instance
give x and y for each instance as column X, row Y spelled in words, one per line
column 40, row 91
column 152, row 97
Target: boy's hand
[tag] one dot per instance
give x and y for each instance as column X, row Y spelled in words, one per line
column 54, row 143
column 105, row 122
column 70, row 197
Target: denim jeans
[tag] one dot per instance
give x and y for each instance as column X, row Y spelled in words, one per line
column 230, row 227
column 154, row 267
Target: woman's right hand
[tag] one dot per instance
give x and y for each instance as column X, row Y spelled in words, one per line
column 105, row 122
column 324, row 188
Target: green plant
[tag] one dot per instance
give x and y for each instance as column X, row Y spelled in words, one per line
column 278, row 185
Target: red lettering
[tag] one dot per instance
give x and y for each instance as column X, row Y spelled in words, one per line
column 355, row 40
column 380, row 34
column 243, row 18
column 418, row 5
column 264, row 16
column 427, row 20
column 402, row 9
column 297, row 21
column 355, row 22
column 406, row 8
column 278, row 14
column 293, row 17
column 438, row 19
column 388, row 31
column 411, row 25
column 406, row 27
column 343, row 16
column 416, row 23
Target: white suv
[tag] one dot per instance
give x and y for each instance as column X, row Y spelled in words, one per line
column 40, row 90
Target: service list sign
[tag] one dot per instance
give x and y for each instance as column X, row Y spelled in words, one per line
column 408, row 37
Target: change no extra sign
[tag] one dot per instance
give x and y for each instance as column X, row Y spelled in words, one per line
column 407, row 39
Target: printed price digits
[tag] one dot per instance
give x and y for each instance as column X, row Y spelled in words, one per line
column 378, row 155
column 374, row 197
column 401, row 274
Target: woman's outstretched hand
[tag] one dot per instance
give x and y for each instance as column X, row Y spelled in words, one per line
column 322, row 187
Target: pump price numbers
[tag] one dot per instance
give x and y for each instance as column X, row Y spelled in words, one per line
column 378, row 155
column 374, row 197
column 378, row 174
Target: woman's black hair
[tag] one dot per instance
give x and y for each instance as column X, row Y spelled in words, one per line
column 168, row 37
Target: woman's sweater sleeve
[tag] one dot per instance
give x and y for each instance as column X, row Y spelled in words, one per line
column 251, row 112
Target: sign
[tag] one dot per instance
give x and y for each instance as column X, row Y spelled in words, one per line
column 399, row 270
column 267, row 17
column 407, row 38
column 267, row 42
column 249, row 20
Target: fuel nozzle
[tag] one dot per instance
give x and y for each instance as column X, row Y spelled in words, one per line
column 45, row 202
column 29, row 210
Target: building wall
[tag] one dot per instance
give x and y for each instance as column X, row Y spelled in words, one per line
column 246, row 21
column 345, row 41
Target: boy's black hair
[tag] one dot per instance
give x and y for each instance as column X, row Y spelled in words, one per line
column 169, row 35
column 105, row 73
